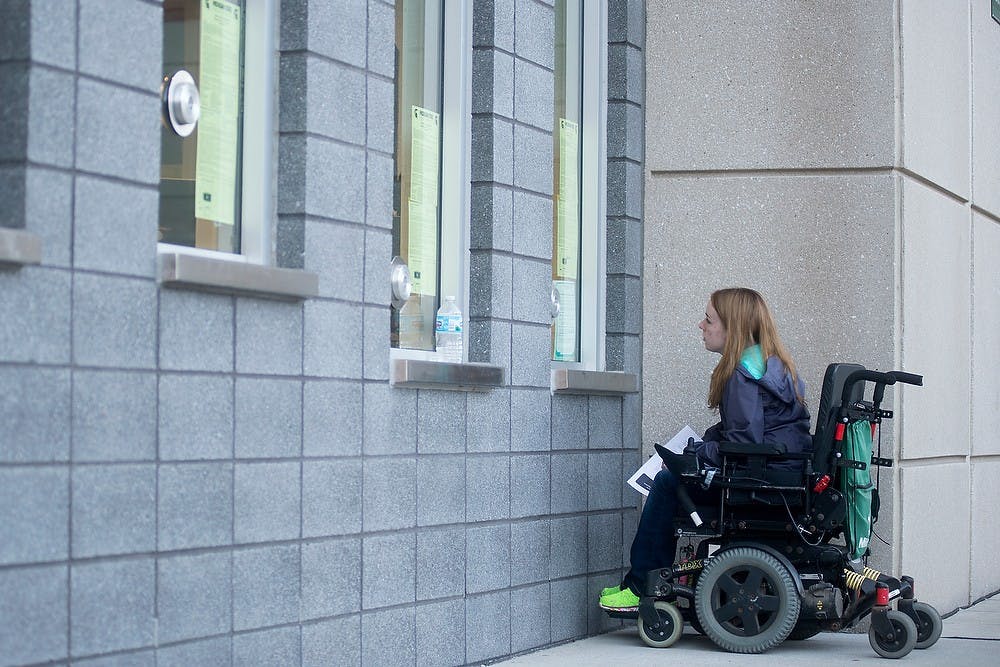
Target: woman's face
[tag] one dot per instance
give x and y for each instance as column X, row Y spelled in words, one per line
column 713, row 333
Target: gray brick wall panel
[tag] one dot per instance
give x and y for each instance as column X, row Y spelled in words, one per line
column 376, row 354
column 531, row 345
column 381, row 38
column 48, row 210
column 532, row 286
column 114, row 134
column 440, row 634
column 35, row 412
column 195, row 417
column 492, row 217
column 112, row 606
column 530, row 420
column 292, row 159
column 377, row 246
column 626, row 73
column 569, row 422
column 34, row 513
column 114, row 510
column 35, row 312
column 440, row 490
column 389, row 576
column 624, row 247
column 33, row 617
column 604, row 541
column 335, row 101
column 186, row 317
column 194, row 596
column 627, row 22
column 216, row 651
column 491, row 610
column 380, row 131
column 268, row 418
column 331, row 418
column 533, row 162
column 114, row 416
column 336, row 254
column 532, row 225
column 569, row 608
column 265, row 587
column 441, row 563
column 533, row 94
column 331, row 497
column 489, row 421
column 389, row 493
column 624, row 189
column 13, row 188
column 332, row 642
column 397, row 623
column 529, row 475
column 15, row 87
column 194, row 505
column 493, row 24
column 50, row 124
column 378, row 197
column 569, row 552
column 441, row 422
column 293, row 108
column 487, row 558
column 328, row 162
column 53, row 38
column 390, row 420
column 266, row 502
column 605, row 422
column 487, row 488
column 568, row 494
column 268, row 336
column 107, row 30
column 114, row 321
column 604, row 480
column 331, row 578
column 624, row 304
column 534, row 37
column 334, row 27
column 529, row 626
column 15, row 30
column 530, row 549
column 330, row 331
column 278, row 646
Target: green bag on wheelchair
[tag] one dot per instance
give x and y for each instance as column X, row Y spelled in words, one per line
column 857, row 488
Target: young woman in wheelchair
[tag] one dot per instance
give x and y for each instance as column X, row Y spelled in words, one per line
column 760, row 398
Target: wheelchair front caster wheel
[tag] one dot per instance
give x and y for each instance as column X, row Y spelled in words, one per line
column 900, row 642
column 928, row 624
column 669, row 629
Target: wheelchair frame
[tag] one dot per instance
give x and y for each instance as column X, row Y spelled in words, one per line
column 774, row 577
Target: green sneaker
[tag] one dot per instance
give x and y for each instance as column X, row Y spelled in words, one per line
column 612, row 589
column 623, row 600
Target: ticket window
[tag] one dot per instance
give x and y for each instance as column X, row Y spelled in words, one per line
column 214, row 122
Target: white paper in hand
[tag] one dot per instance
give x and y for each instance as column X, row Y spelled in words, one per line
column 642, row 480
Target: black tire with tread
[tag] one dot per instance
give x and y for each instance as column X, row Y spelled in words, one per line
column 671, row 626
column 929, row 626
column 904, row 636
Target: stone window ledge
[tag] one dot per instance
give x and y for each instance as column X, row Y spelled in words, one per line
column 429, row 374
column 184, row 271
column 603, row 383
column 18, row 247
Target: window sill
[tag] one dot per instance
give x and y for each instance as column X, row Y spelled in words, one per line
column 424, row 374
column 181, row 270
column 605, row 383
column 18, row 247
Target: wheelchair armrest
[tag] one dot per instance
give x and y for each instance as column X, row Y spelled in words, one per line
column 753, row 449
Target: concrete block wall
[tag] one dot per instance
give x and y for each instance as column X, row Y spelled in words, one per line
column 838, row 158
column 194, row 478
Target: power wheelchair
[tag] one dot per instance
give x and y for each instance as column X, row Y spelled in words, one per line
column 770, row 564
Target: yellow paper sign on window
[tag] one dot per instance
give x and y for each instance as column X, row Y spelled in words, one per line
column 423, row 203
column 568, row 203
column 218, row 130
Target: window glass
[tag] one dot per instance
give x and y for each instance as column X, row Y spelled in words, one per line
column 201, row 173
column 567, row 173
column 417, row 167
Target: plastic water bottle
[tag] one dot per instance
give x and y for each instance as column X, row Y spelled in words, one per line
column 448, row 331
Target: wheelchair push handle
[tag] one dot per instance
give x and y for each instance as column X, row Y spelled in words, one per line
column 881, row 380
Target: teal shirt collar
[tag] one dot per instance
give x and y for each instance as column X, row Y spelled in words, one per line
column 753, row 361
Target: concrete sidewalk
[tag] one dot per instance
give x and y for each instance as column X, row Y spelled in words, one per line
column 969, row 637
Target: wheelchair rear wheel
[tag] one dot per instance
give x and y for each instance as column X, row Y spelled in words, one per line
column 746, row 600
column 668, row 631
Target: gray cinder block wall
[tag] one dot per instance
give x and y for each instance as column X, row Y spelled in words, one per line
column 193, row 478
column 843, row 159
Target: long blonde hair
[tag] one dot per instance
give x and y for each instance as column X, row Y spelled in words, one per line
column 748, row 321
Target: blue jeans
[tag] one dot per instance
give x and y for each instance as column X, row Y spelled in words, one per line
column 655, row 543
